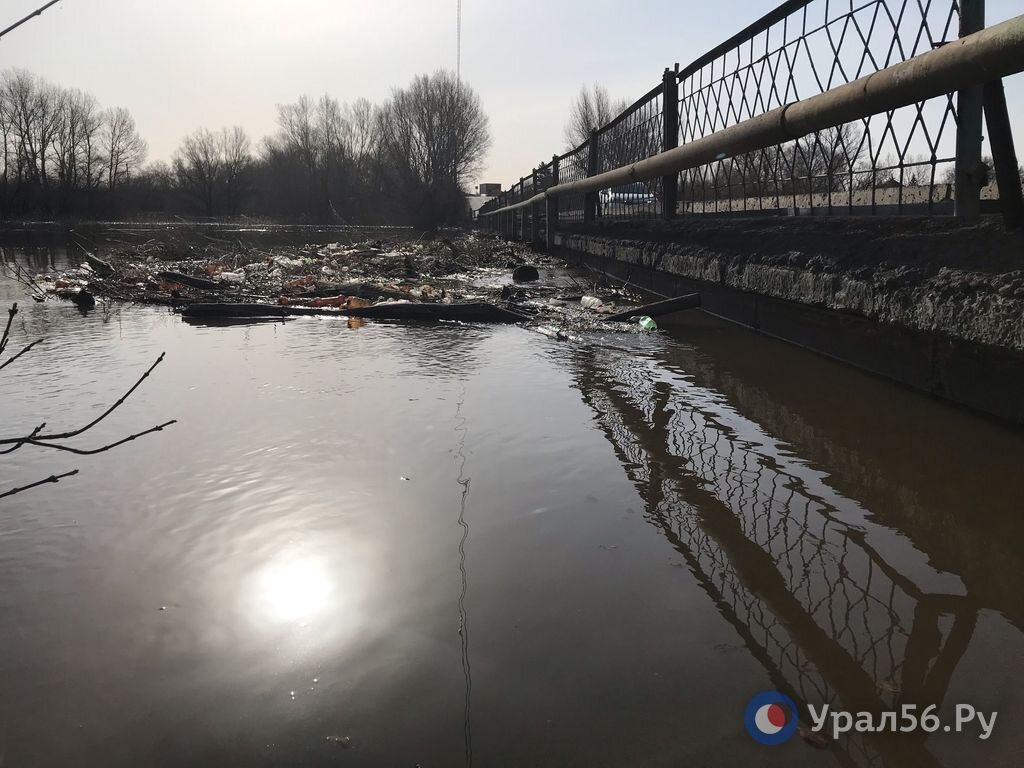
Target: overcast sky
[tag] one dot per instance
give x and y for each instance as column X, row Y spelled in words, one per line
column 183, row 64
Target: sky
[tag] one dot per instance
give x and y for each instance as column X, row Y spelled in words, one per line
column 179, row 65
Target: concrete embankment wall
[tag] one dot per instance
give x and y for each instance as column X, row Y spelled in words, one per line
column 932, row 303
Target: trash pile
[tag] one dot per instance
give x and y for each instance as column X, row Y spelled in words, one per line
column 468, row 277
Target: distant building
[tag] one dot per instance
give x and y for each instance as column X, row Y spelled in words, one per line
column 489, row 190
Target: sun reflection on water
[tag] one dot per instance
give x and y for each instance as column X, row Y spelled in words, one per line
column 293, row 588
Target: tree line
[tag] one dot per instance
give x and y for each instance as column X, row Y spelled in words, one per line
column 404, row 161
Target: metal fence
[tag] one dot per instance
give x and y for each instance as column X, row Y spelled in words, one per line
column 906, row 160
column 887, row 162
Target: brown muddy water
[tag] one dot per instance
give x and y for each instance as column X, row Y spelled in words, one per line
column 454, row 545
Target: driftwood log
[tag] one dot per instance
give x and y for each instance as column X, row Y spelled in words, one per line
column 689, row 301
column 479, row 312
column 99, row 266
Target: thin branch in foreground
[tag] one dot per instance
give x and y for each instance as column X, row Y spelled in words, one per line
column 30, row 436
column 50, row 479
column 94, row 422
column 27, row 349
column 93, row 451
column 7, row 331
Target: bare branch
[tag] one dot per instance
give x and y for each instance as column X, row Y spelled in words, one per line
column 93, row 451
column 7, row 331
column 50, row 479
column 30, row 436
column 36, row 12
column 94, row 422
column 27, row 349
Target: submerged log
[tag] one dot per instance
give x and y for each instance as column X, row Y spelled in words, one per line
column 221, row 309
column 689, row 301
column 473, row 313
column 223, row 322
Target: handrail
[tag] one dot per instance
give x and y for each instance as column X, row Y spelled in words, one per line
column 990, row 54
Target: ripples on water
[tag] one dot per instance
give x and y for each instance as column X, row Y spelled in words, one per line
column 457, row 545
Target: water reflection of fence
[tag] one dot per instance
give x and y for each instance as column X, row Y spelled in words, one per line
column 789, row 562
column 896, row 161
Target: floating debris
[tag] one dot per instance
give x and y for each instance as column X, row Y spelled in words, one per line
column 468, row 278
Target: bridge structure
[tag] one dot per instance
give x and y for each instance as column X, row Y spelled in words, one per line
column 828, row 108
column 840, row 175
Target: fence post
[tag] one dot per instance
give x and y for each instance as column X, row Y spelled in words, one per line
column 590, row 199
column 513, row 214
column 523, row 212
column 1000, row 137
column 552, row 207
column 533, row 211
column 968, row 130
column 670, row 119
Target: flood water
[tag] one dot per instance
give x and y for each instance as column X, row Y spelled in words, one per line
column 450, row 545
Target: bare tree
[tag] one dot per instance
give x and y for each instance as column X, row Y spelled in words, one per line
column 31, row 113
column 197, row 168
column 435, row 135
column 212, row 169
column 363, row 125
column 825, row 161
column 75, row 145
column 592, row 108
column 236, row 162
column 123, row 147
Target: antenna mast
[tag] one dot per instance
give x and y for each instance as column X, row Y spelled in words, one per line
column 458, row 43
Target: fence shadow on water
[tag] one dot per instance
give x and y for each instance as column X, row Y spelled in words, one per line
column 836, row 607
